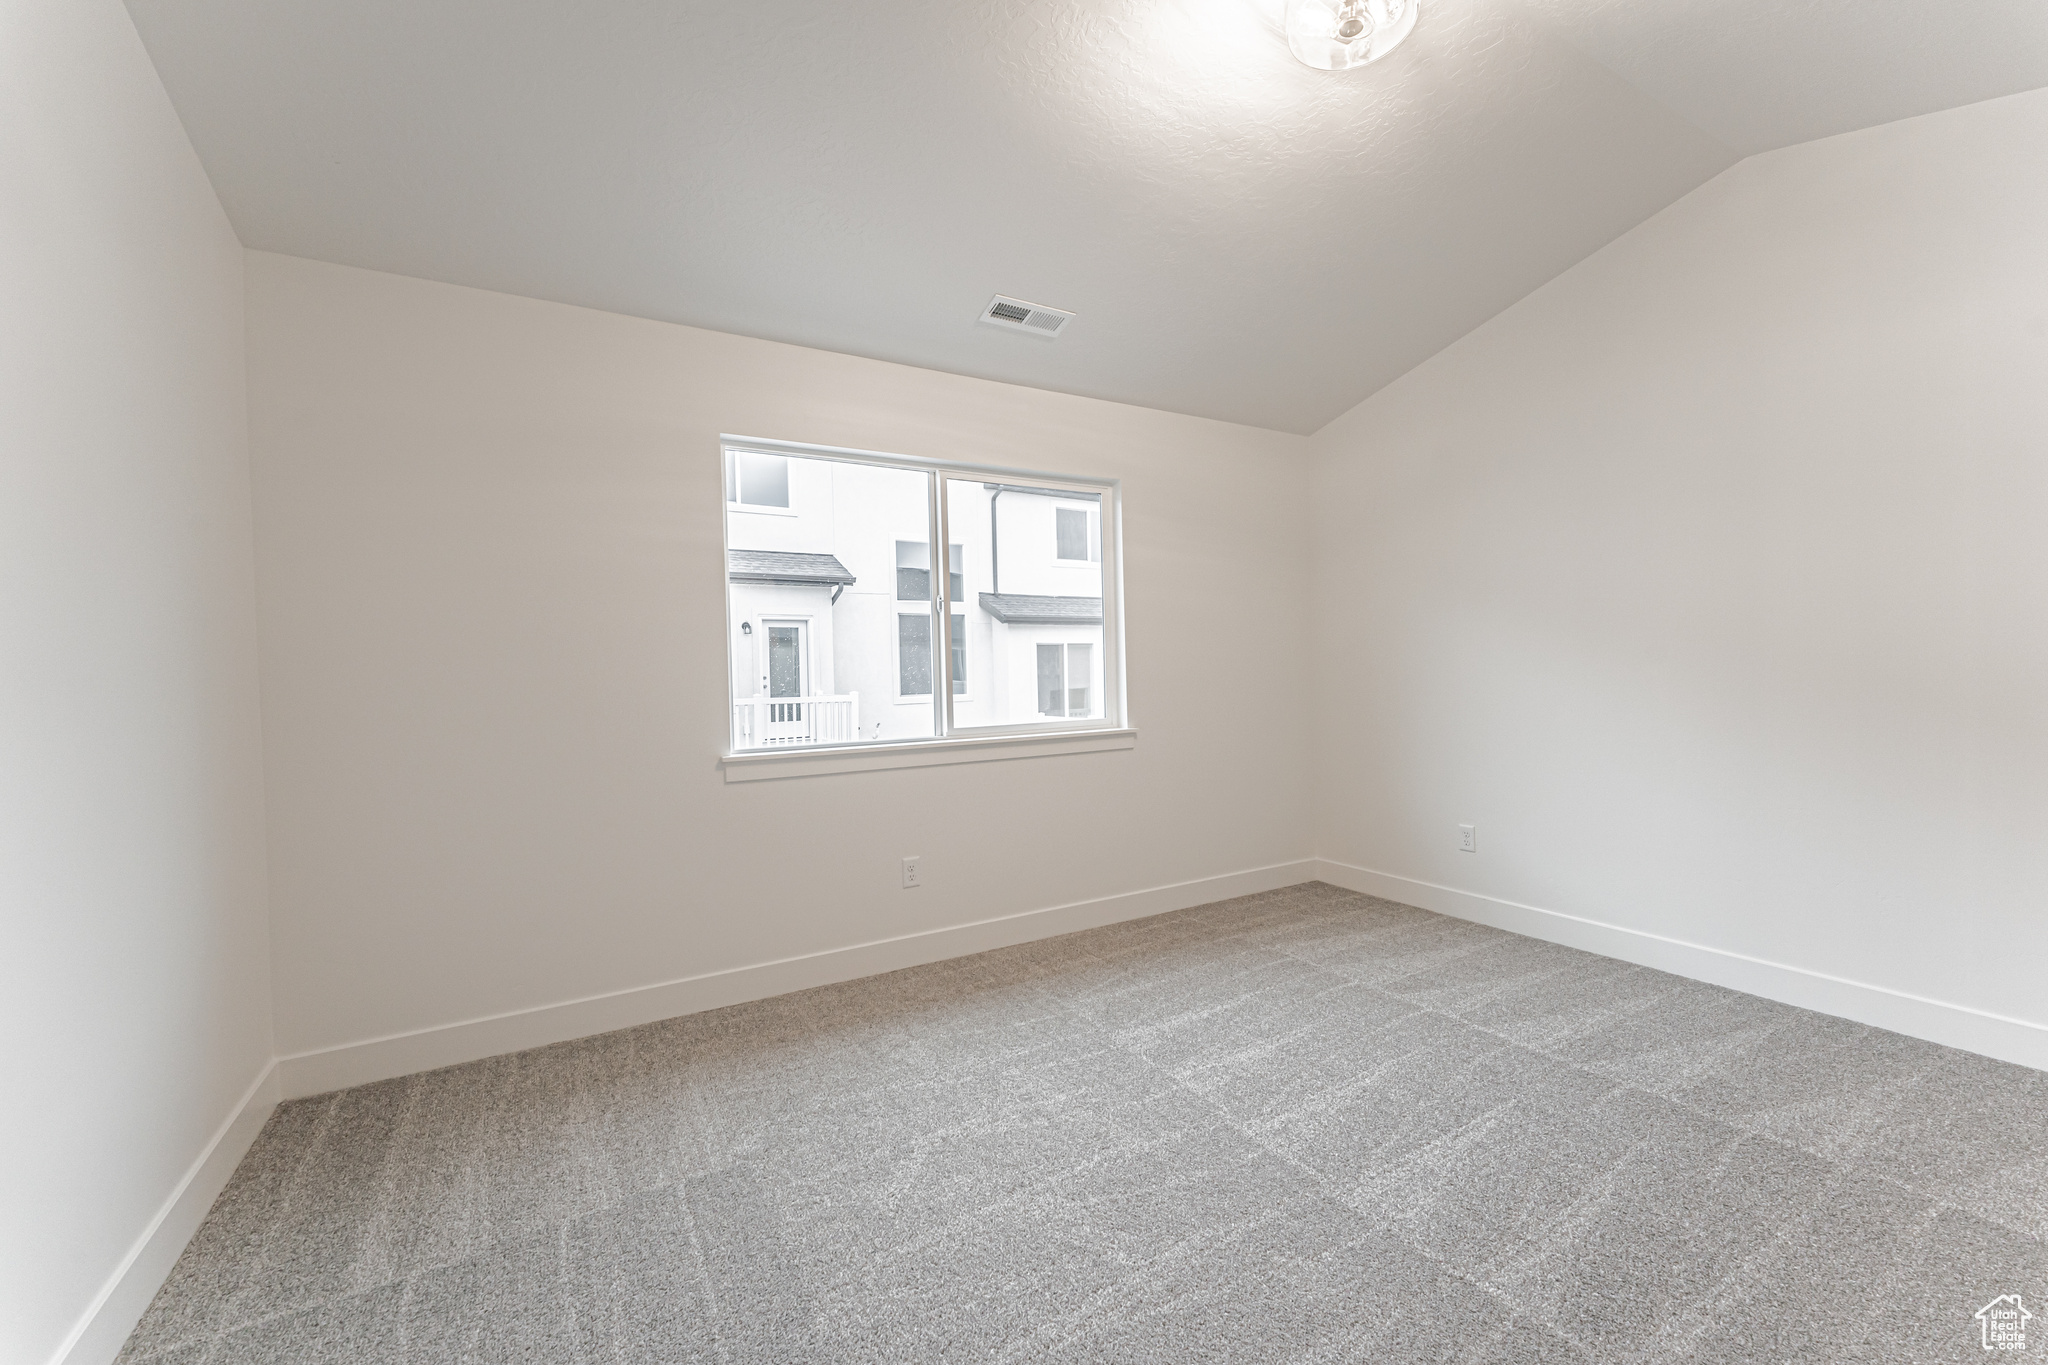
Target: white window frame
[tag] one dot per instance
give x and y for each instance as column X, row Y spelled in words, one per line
column 955, row 743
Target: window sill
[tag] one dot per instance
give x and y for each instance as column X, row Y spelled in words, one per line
column 765, row 766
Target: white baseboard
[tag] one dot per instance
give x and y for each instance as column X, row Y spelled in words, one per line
column 1936, row 1021
column 376, row 1059
column 104, row 1328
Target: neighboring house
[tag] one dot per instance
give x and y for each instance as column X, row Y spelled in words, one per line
column 784, row 661
column 829, row 567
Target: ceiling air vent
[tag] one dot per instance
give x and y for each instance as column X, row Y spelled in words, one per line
column 1034, row 318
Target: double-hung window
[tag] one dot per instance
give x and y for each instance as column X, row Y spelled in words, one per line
column 847, row 630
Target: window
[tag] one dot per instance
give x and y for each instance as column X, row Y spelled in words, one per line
column 753, row 480
column 914, row 654
column 958, row 643
column 1065, row 679
column 1047, row 613
column 1076, row 534
column 914, row 571
column 841, row 633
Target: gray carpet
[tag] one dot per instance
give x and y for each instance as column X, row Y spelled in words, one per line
column 1302, row 1126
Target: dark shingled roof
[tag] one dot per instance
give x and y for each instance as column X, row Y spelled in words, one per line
column 1022, row 609
column 784, row 566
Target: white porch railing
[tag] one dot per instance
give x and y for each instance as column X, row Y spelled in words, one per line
column 762, row 722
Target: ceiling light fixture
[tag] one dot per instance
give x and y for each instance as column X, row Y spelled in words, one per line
column 1335, row 35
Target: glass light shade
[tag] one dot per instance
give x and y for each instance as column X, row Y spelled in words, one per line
column 1334, row 35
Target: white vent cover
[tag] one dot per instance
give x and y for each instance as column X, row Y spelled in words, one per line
column 1034, row 318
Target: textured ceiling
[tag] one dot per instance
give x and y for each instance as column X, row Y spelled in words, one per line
column 1242, row 237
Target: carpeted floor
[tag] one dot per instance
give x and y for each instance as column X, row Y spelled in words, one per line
column 1302, row 1126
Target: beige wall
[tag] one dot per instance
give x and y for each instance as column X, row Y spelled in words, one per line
column 1711, row 581
column 134, row 976
column 494, row 658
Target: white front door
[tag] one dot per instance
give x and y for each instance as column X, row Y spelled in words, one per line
column 786, row 679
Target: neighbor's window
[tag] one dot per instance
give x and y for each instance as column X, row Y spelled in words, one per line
column 914, row 655
column 1065, row 675
column 914, row 571
column 1076, row 529
column 756, row 480
column 841, row 633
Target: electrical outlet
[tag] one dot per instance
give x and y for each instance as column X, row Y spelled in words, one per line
column 911, row 876
column 1468, row 839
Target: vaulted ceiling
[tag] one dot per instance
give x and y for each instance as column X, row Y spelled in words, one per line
column 1242, row 237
